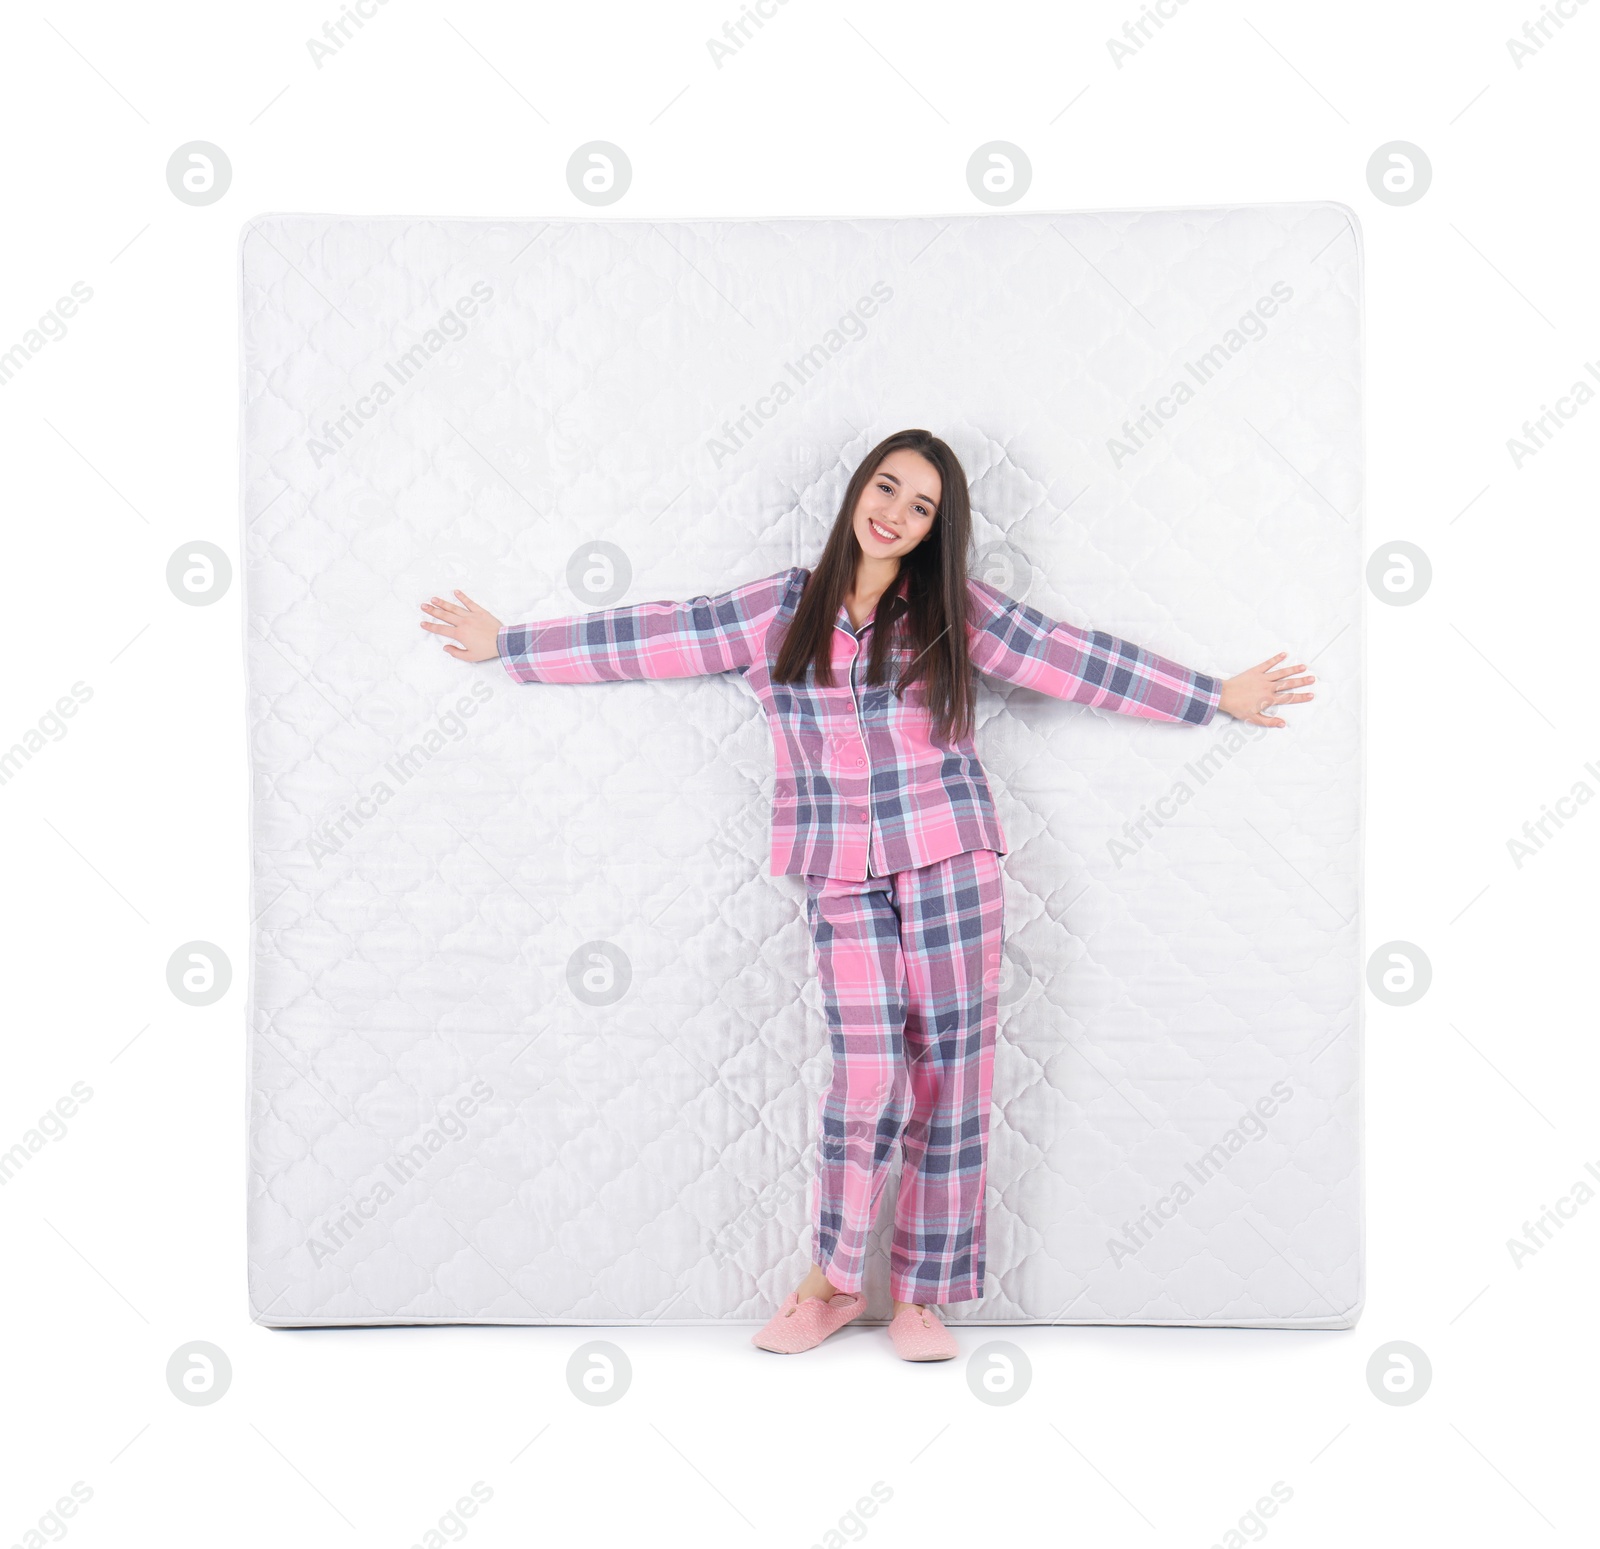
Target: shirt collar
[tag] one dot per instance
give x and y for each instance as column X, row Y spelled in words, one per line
column 843, row 621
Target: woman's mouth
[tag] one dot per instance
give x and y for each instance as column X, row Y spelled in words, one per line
column 882, row 534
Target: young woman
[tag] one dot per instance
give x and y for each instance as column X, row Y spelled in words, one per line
column 864, row 667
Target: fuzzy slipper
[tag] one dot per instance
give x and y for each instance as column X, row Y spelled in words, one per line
column 803, row 1325
column 920, row 1335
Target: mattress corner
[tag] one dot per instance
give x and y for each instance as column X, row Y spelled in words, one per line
column 249, row 227
column 1352, row 1314
column 1349, row 214
column 261, row 1317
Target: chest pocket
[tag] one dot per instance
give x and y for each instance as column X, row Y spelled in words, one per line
column 899, row 658
column 809, row 713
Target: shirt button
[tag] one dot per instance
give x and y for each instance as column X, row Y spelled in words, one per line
column 862, row 816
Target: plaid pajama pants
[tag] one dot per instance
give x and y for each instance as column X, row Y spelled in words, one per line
column 910, row 972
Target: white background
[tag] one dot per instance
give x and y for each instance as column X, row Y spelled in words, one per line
column 125, row 836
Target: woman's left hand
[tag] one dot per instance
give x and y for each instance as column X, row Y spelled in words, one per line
column 1253, row 692
column 475, row 630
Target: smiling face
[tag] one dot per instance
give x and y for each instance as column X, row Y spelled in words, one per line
column 898, row 505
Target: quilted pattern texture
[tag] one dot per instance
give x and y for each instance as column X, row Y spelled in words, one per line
column 534, row 1036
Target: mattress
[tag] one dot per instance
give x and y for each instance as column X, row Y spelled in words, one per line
column 534, row 1036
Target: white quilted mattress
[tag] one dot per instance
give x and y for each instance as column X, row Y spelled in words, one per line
column 534, row 1036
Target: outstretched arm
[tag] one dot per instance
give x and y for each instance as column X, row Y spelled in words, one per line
column 1010, row 640
column 706, row 634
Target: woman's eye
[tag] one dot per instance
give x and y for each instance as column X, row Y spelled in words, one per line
column 889, row 490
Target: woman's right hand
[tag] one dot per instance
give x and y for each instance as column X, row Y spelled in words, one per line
column 1249, row 695
column 476, row 632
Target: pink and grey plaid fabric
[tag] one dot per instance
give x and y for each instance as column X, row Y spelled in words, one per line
column 910, row 973
column 863, row 788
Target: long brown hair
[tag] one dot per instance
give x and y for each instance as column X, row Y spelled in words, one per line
column 925, row 610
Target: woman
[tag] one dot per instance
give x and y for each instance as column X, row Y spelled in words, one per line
column 864, row 668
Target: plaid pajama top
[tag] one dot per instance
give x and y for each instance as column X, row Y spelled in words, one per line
column 862, row 784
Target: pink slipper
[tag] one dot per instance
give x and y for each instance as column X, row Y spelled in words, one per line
column 803, row 1325
column 920, row 1335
